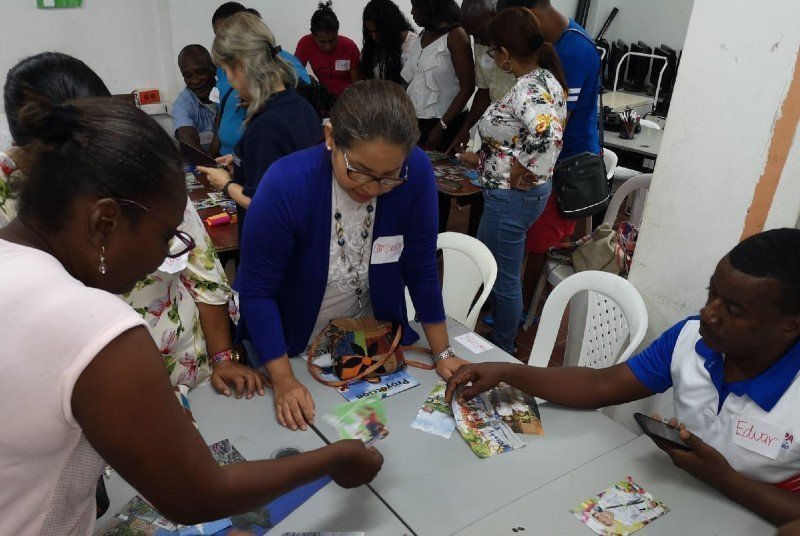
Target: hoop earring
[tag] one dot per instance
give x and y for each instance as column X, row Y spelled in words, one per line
column 103, row 267
column 503, row 68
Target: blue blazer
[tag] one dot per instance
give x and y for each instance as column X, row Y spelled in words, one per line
column 285, row 252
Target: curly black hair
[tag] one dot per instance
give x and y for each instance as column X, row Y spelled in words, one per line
column 773, row 254
column 385, row 52
column 437, row 14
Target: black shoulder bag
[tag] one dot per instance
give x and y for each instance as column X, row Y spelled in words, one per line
column 580, row 182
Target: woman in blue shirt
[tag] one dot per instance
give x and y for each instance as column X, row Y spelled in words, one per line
column 278, row 120
column 339, row 230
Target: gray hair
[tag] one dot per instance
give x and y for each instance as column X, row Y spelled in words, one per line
column 374, row 109
column 245, row 38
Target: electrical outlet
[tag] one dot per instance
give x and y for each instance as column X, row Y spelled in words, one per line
column 148, row 96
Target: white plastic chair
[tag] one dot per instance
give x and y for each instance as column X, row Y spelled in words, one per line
column 468, row 265
column 610, row 159
column 646, row 123
column 615, row 322
column 554, row 272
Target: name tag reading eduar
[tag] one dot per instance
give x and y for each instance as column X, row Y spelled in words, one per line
column 387, row 249
column 757, row 436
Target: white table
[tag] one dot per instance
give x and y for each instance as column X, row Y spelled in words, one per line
column 251, row 427
column 618, row 101
column 647, row 142
column 439, row 486
column 695, row 508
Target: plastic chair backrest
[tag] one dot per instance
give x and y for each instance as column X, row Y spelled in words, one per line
column 639, row 182
column 610, row 159
column 468, row 265
column 616, row 314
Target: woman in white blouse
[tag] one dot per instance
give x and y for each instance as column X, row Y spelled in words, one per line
column 440, row 73
column 521, row 135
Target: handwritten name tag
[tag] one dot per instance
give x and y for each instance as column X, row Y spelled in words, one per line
column 206, row 138
column 758, row 437
column 173, row 266
column 387, row 249
column 342, row 65
column 486, row 61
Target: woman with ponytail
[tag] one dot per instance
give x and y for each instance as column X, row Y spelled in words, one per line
column 278, row 121
column 522, row 137
column 82, row 383
column 334, row 58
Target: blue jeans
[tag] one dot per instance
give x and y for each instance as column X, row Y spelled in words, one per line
column 507, row 215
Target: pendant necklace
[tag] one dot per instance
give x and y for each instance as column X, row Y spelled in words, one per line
column 352, row 269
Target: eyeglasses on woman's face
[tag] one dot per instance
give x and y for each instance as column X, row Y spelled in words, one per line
column 185, row 238
column 362, row 177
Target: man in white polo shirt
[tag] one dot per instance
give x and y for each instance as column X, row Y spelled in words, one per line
column 735, row 370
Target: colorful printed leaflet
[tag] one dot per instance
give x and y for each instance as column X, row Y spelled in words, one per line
column 435, row 416
column 363, row 419
column 620, row 510
column 488, row 422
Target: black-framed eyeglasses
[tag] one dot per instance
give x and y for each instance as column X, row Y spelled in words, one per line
column 186, row 238
column 492, row 52
column 363, row 177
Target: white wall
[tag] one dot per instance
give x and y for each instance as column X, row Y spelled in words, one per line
column 123, row 41
column 135, row 44
column 652, row 21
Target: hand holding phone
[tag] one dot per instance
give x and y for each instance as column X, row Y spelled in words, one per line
column 660, row 431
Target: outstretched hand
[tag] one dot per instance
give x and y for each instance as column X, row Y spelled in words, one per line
column 482, row 376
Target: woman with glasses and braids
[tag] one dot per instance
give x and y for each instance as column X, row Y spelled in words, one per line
column 185, row 301
column 339, row 230
column 278, row 120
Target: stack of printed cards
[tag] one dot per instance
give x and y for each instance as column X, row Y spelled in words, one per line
column 489, row 423
column 620, row 510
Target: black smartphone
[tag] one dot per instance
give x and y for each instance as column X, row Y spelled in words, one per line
column 658, row 430
column 196, row 157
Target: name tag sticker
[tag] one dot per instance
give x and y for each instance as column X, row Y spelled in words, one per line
column 342, row 65
column 206, row 137
column 387, row 249
column 757, row 436
column 486, row 61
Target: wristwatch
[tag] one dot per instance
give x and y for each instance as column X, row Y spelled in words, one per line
column 227, row 355
column 447, row 352
column 226, row 188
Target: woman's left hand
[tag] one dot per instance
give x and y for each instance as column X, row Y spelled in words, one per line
column 468, row 159
column 246, row 380
column 217, row 177
column 447, row 367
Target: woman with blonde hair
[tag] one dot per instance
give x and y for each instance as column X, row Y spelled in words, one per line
column 278, row 122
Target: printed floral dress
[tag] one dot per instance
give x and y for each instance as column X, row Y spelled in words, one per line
column 8, row 172
column 527, row 126
column 167, row 300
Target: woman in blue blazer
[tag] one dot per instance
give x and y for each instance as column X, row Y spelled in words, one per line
column 339, row 230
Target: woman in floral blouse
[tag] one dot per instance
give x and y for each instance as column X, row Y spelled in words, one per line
column 185, row 302
column 521, row 136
